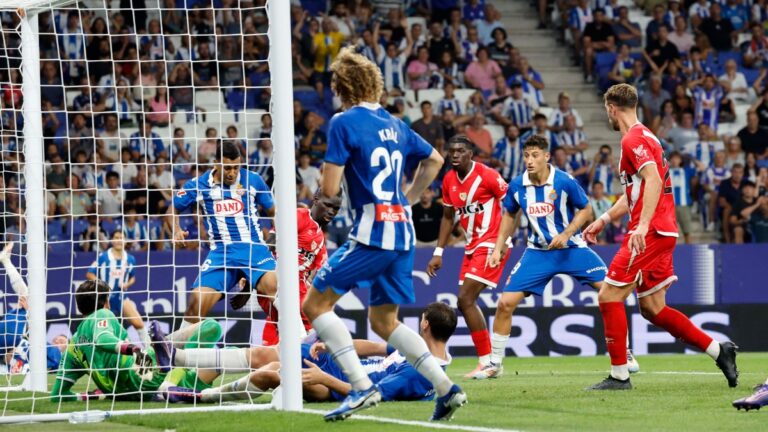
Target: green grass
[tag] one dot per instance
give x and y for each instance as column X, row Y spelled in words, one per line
column 536, row 394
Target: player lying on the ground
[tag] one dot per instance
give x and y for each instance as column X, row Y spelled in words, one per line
column 757, row 400
column 230, row 198
column 14, row 346
column 472, row 192
column 556, row 207
column 100, row 349
column 644, row 261
column 312, row 255
column 323, row 380
column 117, row 268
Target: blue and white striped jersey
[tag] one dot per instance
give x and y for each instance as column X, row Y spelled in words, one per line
column 444, row 104
column 681, row 184
column 376, row 148
column 511, row 154
column 115, row 272
column 231, row 212
column 572, row 139
column 548, row 208
column 519, row 111
column 604, row 174
column 137, row 234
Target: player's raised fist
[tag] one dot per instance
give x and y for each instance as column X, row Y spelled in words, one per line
column 434, row 265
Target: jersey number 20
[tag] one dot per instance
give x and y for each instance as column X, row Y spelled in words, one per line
column 389, row 163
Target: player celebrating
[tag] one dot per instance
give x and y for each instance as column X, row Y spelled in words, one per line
column 472, row 192
column 644, row 261
column 117, row 268
column 230, row 197
column 312, row 255
column 371, row 149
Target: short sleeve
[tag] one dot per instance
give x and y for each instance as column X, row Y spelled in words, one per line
column 510, row 203
column 638, row 153
column 186, row 196
column 93, row 269
column 496, row 183
column 446, row 196
column 337, row 152
column 263, row 195
column 576, row 195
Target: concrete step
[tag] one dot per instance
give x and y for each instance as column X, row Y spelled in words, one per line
column 543, row 60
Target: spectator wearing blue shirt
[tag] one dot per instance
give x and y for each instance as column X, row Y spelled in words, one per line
column 146, row 143
column 683, row 180
column 473, row 10
column 530, row 80
column 735, row 11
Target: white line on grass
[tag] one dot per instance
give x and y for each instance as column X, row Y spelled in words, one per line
column 424, row 424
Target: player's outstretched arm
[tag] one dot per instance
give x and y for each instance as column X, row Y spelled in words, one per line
column 508, row 225
column 331, row 180
column 446, row 226
column 363, row 347
column 425, row 174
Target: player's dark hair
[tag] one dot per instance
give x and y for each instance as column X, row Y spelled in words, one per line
column 462, row 139
column 622, row 95
column 536, row 141
column 91, row 295
column 229, row 150
column 442, row 320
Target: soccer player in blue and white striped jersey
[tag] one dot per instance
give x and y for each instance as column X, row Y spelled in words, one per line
column 117, row 268
column 556, row 208
column 372, row 150
column 231, row 200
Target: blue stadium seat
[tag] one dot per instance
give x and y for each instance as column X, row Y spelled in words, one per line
column 724, row 56
column 605, row 59
column 750, row 75
column 110, row 226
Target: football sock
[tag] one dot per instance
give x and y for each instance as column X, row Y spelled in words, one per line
column 415, row 350
column 17, row 282
column 498, row 346
column 615, row 323
column 203, row 334
column 178, row 334
column 230, row 360
column 144, row 336
column 482, row 343
column 234, row 390
column 334, row 333
column 173, row 378
column 679, row 326
column 713, row 350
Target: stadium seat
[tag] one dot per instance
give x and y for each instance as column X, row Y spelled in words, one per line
column 547, row 111
column 71, row 95
column 724, row 56
column 210, row 100
column 110, row 225
column 463, row 95
column 497, row 132
column 605, row 59
column 750, row 75
column 431, row 95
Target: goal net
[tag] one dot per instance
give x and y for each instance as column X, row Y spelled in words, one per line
column 107, row 116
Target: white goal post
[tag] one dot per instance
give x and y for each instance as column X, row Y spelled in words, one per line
column 37, row 243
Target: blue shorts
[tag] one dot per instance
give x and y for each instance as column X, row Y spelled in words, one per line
column 12, row 328
column 537, row 267
column 116, row 303
column 326, row 364
column 387, row 273
column 225, row 265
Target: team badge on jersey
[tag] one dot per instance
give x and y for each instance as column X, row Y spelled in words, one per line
column 463, row 196
column 641, row 154
column 553, row 195
column 240, row 190
column 102, row 324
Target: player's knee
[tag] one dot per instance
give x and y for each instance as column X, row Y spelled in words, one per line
column 506, row 306
column 268, row 284
column 648, row 311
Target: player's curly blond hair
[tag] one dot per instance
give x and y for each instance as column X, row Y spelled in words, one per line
column 355, row 78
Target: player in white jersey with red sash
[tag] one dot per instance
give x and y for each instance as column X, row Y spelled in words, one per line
column 472, row 193
column 644, row 261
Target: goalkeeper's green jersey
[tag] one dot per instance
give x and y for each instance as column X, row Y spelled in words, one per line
column 94, row 350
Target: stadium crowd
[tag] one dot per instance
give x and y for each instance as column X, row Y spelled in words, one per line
column 134, row 104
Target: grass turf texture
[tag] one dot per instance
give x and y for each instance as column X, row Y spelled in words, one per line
column 674, row 393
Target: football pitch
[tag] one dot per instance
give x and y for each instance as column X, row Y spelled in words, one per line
column 672, row 393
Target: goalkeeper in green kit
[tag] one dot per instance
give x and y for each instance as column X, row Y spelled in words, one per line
column 100, row 348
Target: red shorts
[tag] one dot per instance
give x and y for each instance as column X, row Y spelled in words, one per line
column 475, row 266
column 270, row 335
column 652, row 269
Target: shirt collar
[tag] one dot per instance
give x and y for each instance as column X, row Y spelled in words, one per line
column 369, row 105
column 550, row 179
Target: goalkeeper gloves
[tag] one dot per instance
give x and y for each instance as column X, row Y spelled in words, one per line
column 142, row 362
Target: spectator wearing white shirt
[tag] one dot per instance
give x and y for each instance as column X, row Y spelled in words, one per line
column 735, row 83
column 557, row 118
column 109, row 141
column 109, row 199
column 704, row 149
column 310, row 175
column 126, row 170
column 161, row 178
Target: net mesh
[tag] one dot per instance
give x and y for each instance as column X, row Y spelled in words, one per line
column 135, row 104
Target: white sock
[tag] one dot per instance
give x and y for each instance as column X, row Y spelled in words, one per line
column 235, row 390
column 498, row 347
column 17, row 282
column 178, row 335
column 415, row 350
column 620, row 372
column 713, row 350
column 144, row 336
column 334, row 333
column 230, row 360
column 484, row 360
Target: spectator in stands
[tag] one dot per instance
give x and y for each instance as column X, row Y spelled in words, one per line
column 124, row 104
column 681, row 101
column 473, row 10
column 683, row 178
column 310, row 175
column 206, row 148
column 718, row 30
column 56, row 178
column 448, row 71
column 754, row 138
column 469, row 47
column 760, row 107
column 449, row 100
column 426, row 219
column 573, row 141
column 205, row 68
column 560, row 161
column 541, row 129
column 516, row 110
column 125, row 169
column 450, row 122
column 439, row 42
column 622, row 69
column 500, row 93
column 455, row 29
column 752, row 172
column 499, row 50
column 600, row 204
column 417, row 36
column 421, row 70
column 652, row 29
column 733, row 153
column 531, row 81
column 698, row 11
column 695, row 67
column 712, row 178
column 302, row 68
column 80, row 137
column 392, row 64
column 325, row 47
column 162, row 178
column 160, row 107
column 628, row 32
column 564, row 109
column 604, row 169
column 490, row 21
column 704, row 150
column 110, row 197
column 315, row 141
column 663, row 123
column 578, row 18
column 707, row 95
column 660, row 52
column 758, row 221
column 735, row 11
column 734, row 83
column 507, row 155
column 429, row 127
column 182, row 90
column 756, row 52
column 652, row 99
column 146, row 143
column 681, row 37
column 742, row 210
column 135, row 231
column 51, row 88
column 479, row 134
column 340, row 16
column 598, row 37
column 109, row 140
column 728, row 194
column 75, row 201
column 481, row 74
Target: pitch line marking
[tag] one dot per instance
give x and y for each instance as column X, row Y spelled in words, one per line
column 424, row 424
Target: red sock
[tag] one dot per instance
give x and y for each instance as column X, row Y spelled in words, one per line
column 482, row 341
column 679, row 326
column 615, row 322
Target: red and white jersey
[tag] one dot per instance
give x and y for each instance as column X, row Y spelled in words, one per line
column 312, row 252
column 639, row 148
column 476, row 200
